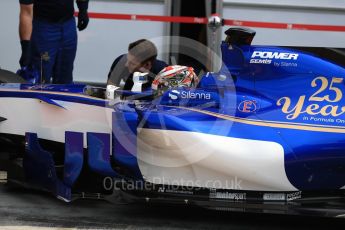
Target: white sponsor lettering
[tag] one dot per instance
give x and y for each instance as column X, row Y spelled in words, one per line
column 274, row 55
column 178, row 191
column 260, row 61
column 274, row 196
column 228, row 195
column 294, row 196
column 188, row 95
column 191, row 95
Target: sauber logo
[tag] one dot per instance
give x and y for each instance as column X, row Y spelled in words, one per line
column 174, row 95
column 264, row 57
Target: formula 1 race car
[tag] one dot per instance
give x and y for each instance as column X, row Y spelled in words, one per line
column 264, row 134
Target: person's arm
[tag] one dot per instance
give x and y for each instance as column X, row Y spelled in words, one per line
column 25, row 30
column 25, row 21
column 83, row 17
column 115, row 73
column 113, row 82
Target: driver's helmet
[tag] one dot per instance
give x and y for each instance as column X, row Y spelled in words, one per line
column 174, row 76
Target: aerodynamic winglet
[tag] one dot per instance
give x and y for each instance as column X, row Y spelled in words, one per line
column 49, row 101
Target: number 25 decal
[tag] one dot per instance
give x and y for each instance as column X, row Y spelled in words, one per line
column 324, row 86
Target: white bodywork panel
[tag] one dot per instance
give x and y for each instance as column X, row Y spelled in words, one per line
column 204, row 160
column 49, row 121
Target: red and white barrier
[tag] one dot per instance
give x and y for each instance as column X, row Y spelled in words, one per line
column 228, row 22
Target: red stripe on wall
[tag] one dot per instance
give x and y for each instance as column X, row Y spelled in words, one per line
column 287, row 26
column 229, row 22
column 155, row 18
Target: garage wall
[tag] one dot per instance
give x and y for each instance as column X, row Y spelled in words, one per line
column 320, row 12
column 9, row 38
column 99, row 44
column 104, row 39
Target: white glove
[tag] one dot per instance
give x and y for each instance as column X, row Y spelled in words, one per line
column 110, row 91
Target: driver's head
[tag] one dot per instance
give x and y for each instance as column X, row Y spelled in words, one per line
column 141, row 55
column 173, row 77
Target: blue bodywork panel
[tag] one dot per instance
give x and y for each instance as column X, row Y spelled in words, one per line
column 74, row 157
column 98, row 145
column 40, row 169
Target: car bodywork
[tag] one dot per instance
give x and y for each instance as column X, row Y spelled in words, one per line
column 266, row 133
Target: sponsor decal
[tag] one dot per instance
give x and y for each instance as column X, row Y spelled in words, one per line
column 175, row 94
column 176, row 191
column 260, row 61
column 285, row 64
column 288, row 64
column 294, row 196
column 273, row 196
column 324, row 105
column 247, row 106
column 179, row 191
column 227, row 195
column 274, row 55
column 265, row 57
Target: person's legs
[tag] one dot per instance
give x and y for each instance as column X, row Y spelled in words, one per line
column 63, row 70
column 45, row 41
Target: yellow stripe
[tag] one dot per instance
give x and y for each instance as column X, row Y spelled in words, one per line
column 273, row 124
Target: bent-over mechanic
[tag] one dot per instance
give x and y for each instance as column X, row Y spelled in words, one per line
column 141, row 57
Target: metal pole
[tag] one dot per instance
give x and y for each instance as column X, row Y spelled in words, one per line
column 214, row 12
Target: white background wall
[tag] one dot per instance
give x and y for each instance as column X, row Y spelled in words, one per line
column 9, row 38
column 101, row 42
column 104, row 40
column 320, row 12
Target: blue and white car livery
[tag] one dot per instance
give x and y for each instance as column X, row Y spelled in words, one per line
column 268, row 127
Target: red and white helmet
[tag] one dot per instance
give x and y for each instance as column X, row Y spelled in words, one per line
column 174, row 76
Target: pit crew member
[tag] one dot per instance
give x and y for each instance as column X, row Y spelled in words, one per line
column 141, row 57
column 48, row 35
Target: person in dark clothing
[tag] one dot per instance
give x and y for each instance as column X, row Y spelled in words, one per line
column 48, row 37
column 141, row 57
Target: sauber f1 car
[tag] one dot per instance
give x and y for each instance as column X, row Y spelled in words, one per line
column 264, row 134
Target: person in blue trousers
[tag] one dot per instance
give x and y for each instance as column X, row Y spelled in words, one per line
column 48, row 37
